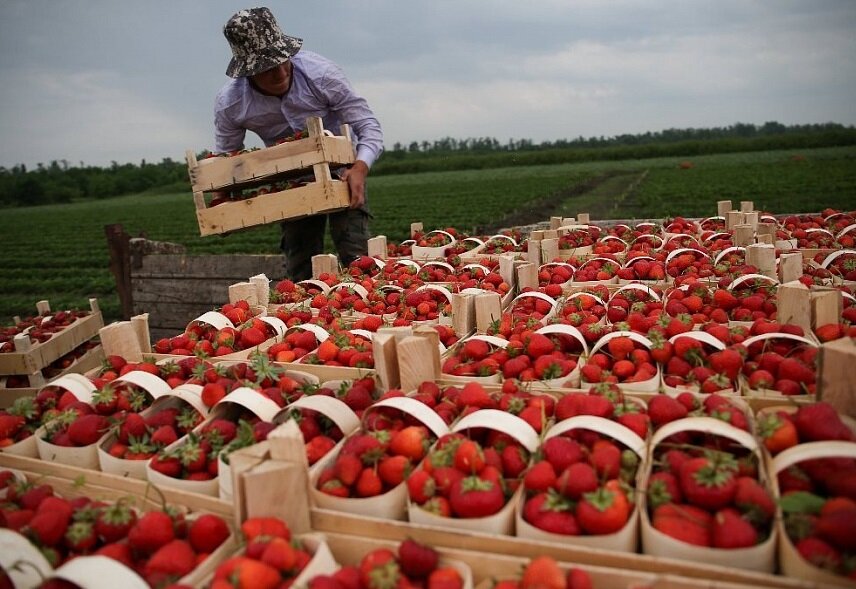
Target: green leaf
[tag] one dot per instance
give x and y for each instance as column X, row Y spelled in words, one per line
column 801, row 502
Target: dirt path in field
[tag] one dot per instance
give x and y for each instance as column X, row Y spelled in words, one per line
column 599, row 196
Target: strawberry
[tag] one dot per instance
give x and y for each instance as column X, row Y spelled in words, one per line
column 246, row 572
column 561, row 451
column 540, row 477
column 421, row 486
column 753, row 500
column 837, row 527
column 167, row 465
column 207, row 532
column 415, row 559
column 819, row 553
column 114, row 521
column 577, row 479
column 552, row 513
column 49, row 526
column 347, row 468
column 151, row 531
column 280, row 554
column 664, row 409
column 176, row 558
column 686, row 523
column 118, row 551
column 604, row 511
column 542, row 572
column 255, row 527
column 392, row 470
column 134, row 426
column 87, row 429
column 445, row 577
column 475, row 497
column 369, row 483
column 709, row 481
column 663, row 488
column 731, row 530
column 820, row 421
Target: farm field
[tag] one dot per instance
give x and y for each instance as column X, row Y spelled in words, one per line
column 59, row 252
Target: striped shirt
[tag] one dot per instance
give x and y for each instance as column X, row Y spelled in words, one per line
column 318, row 89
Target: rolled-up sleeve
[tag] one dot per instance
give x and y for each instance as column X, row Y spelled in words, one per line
column 354, row 110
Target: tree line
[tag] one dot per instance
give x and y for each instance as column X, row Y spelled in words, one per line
column 60, row 182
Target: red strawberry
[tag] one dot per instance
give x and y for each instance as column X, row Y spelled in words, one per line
column 820, row 421
column 369, row 483
column 207, row 532
column 819, row 553
column 49, row 526
column 604, row 511
column 664, row 409
column 134, row 426
column 151, row 531
column 709, row 481
column 663, row 488
column 87, row 429
column 114, row 521
column 561, row 451
column 415, row 559
column 552, row 513
column 754, row 501
column 476, row 497
column 175, row 558
column 837, row 528
column 421, row 486
column 577, row 479
column 540, row 477
column 684, row 522
column 347, row 468
column 730, row 530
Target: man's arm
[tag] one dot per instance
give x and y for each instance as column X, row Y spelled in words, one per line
column 354, row 110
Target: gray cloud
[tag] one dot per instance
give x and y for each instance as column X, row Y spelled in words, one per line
column 101, row 80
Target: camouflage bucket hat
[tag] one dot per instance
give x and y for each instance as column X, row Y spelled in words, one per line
column 257, row 42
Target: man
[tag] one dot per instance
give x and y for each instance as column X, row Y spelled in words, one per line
column 275, row 88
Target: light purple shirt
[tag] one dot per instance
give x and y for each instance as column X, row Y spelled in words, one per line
column 318, row 89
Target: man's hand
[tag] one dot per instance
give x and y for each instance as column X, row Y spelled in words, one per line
column 355, row 176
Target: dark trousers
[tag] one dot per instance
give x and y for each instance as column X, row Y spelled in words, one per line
column 304, row 238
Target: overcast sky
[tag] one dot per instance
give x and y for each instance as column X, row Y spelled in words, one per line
column 102, row 80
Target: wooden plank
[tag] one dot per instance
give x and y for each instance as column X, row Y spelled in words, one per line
column 342, row 523
column 294, row 203
column 836, row 384
column 212, row 292
column 723, row 207
column 67, row 480
column 377, row 247
column 826, row 305
column 228, row 267
column 793, row 302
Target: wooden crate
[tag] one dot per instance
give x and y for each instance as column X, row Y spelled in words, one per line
column 90, row 360
column 289, row 160
column 30, row 358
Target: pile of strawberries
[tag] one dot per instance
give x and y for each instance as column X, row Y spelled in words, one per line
column 140, row 437
column 705, row 490
column 580, row 483
column 469, row 477
column 373, row 461
column 39, row 328
column 162, row 546
column 205, row 340
column 195, row 459
column 411, row 564
column 544, row 571
column 271, row 558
